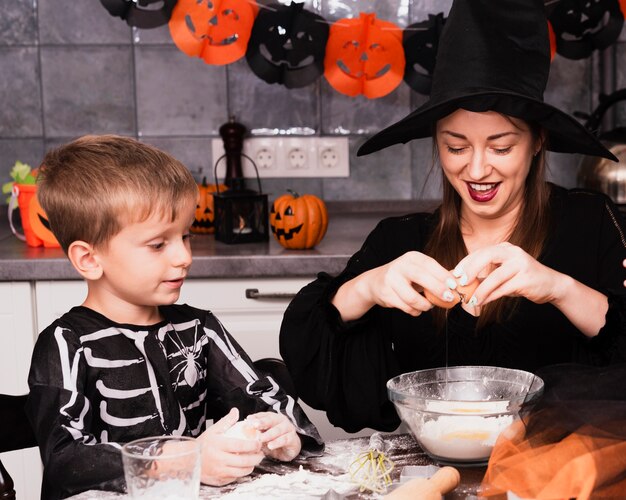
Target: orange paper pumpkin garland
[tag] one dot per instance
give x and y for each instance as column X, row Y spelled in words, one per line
column 582, row 27
column 145, row 14
column 298, row 222
column 364, row 56
column 287, row 45
column 420, row 42
column 217, row 31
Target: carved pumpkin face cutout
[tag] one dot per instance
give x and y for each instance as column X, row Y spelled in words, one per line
column 204, row 221
column 298, row 222
column 144, row 14
column 217, row 31
column 40, row 225
column 581, row 26
column 420, row 42
column 287, row 45
column 364, row 56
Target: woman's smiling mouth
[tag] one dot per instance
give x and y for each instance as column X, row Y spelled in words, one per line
column 482, row 192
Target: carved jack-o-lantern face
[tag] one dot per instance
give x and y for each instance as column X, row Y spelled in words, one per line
column 298, row 222
column 420, row 42
column 364, row 56
column 40, row 225
column 581, row 26
column 141, row 13
column 204, row 221
column 287, row 45
column 218, row 31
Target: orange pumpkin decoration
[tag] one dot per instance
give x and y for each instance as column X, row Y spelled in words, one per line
column 204, row 221
column 40, row 225
column 298, row 222
column 552, row 38
column 364, row 56
column 218, row 31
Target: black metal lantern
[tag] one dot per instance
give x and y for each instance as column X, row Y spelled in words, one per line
column 241, row 214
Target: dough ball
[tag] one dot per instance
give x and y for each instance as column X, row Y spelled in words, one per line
column 243, row 430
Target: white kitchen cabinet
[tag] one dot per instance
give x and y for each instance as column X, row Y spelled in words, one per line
column 255, row 323
column 17, row 337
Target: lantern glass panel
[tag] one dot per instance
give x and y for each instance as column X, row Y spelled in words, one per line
column 241, row 217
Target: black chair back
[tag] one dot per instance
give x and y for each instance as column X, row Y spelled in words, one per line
column 277, row 369
column 15, row 434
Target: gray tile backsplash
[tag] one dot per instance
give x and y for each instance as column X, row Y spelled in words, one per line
column 178, row 95
column 87, row 91
column 69, row 68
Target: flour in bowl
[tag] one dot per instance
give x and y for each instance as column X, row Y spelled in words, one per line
column 463, row 437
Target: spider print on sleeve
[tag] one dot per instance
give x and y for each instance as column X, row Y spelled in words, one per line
column 189, row 369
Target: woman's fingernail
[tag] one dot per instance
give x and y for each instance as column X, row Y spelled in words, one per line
column 463, row 280
column 448, row 296
column 473, row 301
column 458, row 271
column 451, row 283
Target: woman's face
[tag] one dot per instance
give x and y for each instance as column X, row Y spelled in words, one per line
column 486, row 158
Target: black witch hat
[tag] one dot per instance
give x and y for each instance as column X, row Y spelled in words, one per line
column 493, row 56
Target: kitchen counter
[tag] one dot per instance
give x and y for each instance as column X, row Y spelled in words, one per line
column 349, row 224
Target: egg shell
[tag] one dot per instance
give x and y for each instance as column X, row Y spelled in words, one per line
column 467, row 291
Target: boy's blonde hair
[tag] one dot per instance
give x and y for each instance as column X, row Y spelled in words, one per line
column 93, row 186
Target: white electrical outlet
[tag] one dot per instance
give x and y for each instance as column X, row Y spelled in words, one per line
column 265, row 158
column 296, row 158
column 306, row 156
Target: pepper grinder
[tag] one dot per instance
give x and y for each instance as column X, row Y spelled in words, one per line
column 232, row 133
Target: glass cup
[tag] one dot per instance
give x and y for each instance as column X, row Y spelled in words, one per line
column 163, row 467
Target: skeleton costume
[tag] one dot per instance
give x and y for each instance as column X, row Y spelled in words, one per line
column 95, row 384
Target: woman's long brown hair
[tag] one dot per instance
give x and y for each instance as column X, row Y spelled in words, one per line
column 447, row 247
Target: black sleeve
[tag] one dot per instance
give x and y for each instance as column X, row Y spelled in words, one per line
column 339, row 367
column 73, row 459
column 609, row 346
column 233, row 381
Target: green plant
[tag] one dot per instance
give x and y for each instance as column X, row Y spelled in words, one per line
column 21, row 173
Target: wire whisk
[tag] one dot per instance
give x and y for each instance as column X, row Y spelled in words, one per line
column 371, row 469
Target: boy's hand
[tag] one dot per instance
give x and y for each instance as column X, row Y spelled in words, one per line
column 278, row 435
column 225, row 459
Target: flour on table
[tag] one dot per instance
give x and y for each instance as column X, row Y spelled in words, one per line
column 301, row 484
column 339, row 455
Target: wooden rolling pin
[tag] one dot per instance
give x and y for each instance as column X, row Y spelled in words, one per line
column 441, row 482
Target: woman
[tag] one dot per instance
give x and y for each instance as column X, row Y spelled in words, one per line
column 545, row 261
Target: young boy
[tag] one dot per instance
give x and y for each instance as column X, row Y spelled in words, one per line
column 128, row 362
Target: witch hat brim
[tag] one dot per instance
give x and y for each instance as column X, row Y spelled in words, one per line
column 565, row 133
column 493, row 56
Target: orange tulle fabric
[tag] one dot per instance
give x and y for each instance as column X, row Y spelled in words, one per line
column 589, row 463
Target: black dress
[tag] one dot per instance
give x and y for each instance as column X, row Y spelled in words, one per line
column 343, row 367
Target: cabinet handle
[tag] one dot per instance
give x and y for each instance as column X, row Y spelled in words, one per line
column 253, row 293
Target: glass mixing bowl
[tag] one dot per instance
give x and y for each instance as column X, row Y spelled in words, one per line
column 457, row 413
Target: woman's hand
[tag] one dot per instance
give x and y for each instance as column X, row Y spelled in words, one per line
column 507, row 270
column 278, row 435
column 510, row 271
column 225, row 459
column 397, row 284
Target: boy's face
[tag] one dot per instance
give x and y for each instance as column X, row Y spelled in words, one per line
column 145, row 264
